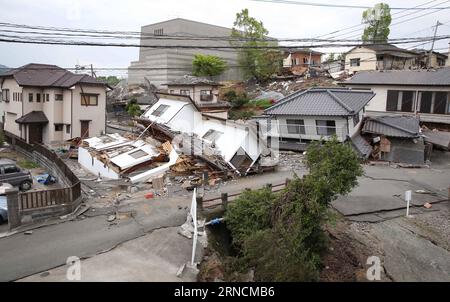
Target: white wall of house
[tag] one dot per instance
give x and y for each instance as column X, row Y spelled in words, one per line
column 366, row 56
column 12, row 109
column 195, row 92
column 95, row 166
column 280, row 127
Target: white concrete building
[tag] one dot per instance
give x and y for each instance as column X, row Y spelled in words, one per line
column 46, row 103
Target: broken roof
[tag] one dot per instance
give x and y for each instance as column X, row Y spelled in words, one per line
column 43, row 75
column 189, row 80
column 34, row 117
column 393, row 126
column 439, row 77
column 362, row 147
column 322, row 102
column 386, row 48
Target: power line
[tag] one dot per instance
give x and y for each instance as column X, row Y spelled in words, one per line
column 338, row 5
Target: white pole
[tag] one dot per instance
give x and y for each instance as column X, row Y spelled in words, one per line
column 408, row 199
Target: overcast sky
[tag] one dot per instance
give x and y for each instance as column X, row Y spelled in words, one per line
column 282, row 21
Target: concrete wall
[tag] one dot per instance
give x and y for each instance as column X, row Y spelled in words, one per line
column 180, row 59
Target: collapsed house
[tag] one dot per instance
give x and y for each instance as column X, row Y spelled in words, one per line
column 222, row 144
column 395, row 139
column 114, row 157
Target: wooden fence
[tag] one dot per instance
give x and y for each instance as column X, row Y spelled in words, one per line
column 51, row 197
column 226, row 198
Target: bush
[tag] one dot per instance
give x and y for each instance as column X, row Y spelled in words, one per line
column 236, row 100
column 241, row 115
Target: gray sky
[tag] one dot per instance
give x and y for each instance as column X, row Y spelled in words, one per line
column 282, row 21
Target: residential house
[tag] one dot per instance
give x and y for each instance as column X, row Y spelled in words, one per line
column 437, row 59
column 165, row 62
column 178, row 115
column 46, row 103
column 299, row 60
column 395, row 139
column 421, row 92
column 203, row 92
column 314, row 114
column 379, row 57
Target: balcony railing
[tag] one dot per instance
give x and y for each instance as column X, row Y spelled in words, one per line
column 305, row 132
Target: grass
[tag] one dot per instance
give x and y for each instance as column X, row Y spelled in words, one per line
column 27, row 164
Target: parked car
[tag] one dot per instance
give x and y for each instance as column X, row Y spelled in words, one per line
column 12, row 174
column 3, row 202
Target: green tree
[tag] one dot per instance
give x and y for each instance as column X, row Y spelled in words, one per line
column 207, row 65
column 378, row 20
column 110, row 80
column 256, row 61
column 133, row 108
column 281, row 235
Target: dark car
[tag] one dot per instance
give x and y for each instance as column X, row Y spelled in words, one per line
column 12, row 174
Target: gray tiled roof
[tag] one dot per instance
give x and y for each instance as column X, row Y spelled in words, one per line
column 43, row 75
column 34, row 117
column 363, row 148
column 440, row 77
column 188, row 80
column 393, row 126
column 322, row 102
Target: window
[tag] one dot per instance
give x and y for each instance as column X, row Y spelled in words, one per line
column 356, row 120
column 68, row 129
column 355, row 62
column 425, row 101
column 5, row 95
column 138, row 154
column 206, row 95
column 158, row 32
column 440, row 102
column 171, row 91
column 212, row 135
column 59, row 127
column 8, row 169
column 392, row 100
column 38, row 97
column 47, row 97
column 326, row 128
column 295, row 126
column 30, row 97
column 58, row 97
column 407, row 101
column 160, row 110
column 89, row 99
column 185, row 92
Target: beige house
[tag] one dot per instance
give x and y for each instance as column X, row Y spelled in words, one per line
column 46, row 103
column 204, row 92
column 379, row 57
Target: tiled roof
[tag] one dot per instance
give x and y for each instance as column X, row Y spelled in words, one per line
column 439, row 77
column 43, row 75
column 188, row 80
column 393, row 126
column 322, row 102
column 363, row 148
column 34, row 117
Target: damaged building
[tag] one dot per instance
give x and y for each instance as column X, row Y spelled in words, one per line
column 395, row 139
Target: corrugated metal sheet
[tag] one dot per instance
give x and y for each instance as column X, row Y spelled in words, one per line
column 393, row 126
column 322, row 102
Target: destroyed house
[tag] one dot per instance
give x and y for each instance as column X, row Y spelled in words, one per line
column 220, row 142
column 422, row 93
column 314, row 114
column 114, row 157
column 395, row 139
column 46, row 103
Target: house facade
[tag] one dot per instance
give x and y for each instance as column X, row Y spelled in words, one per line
column 298, row 60
column 379, row 57
column 422, row 93
column 204, row 92
column 46, row 103
column 314, row 114
column 163, row 65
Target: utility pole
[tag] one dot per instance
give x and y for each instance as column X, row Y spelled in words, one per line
column 432, row 44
